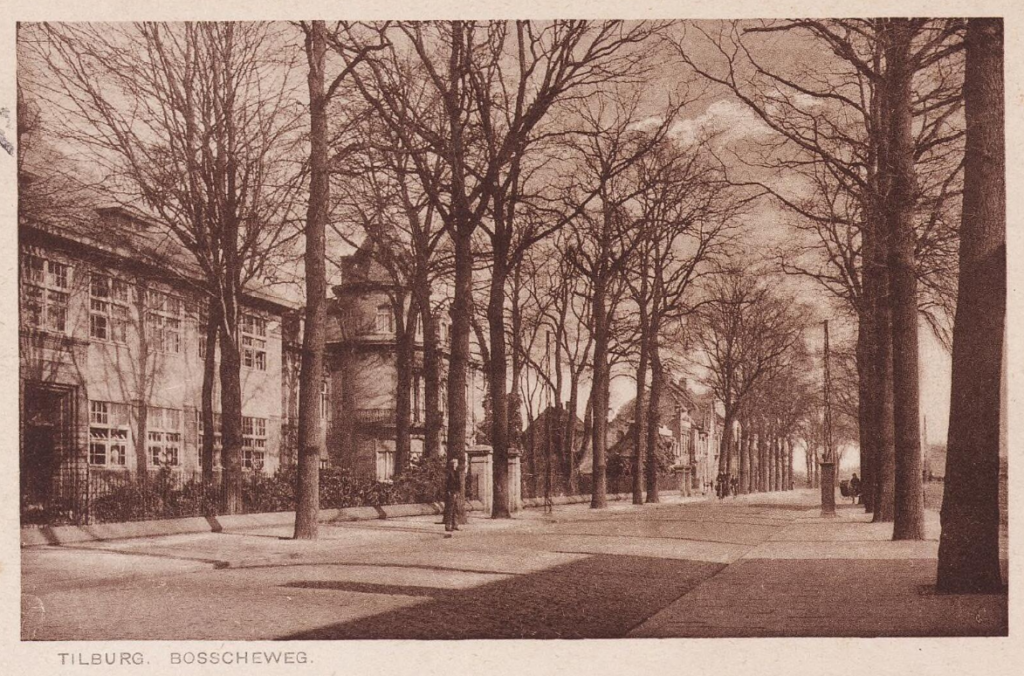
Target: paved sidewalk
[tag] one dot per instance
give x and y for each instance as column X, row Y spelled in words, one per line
column 841, row 576
column 761, row 565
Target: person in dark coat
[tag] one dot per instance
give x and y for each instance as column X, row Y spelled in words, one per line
column 451, row 496
column 855, row 488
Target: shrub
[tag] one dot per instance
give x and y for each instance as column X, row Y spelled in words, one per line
column 422, row 481
column 269, row 492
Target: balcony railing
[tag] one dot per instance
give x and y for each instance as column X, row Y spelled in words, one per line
column 375, row 416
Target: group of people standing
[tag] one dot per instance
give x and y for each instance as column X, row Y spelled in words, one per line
column 726, row 485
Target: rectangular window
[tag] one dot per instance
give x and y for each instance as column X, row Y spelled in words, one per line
column 108, row 308
column 385, row 465
column 204, row 318
column 163, row 432
column 163, row 321
column 44, row 294
column 216, row 433
column 108, row 433
column 254, row 442
column 254, row 342
column 385, row 321
column 325, row 402
column 418, row 406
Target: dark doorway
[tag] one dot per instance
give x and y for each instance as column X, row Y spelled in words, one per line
column 49, row 464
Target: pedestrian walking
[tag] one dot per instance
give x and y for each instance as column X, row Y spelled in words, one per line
column 451, row 497
column 855, row 488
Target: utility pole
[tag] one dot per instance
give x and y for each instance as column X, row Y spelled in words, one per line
column 548, row 507
column 828, row 460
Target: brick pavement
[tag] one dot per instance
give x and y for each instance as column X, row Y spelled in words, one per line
column 761, row 565
column 840, row 576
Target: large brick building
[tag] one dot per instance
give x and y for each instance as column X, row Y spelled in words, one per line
column 111, row 326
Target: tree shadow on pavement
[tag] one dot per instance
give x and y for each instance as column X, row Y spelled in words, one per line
column 601, row 596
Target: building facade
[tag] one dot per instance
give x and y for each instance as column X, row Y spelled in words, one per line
column 363, row 373
column 112, row 347
column 689, row 428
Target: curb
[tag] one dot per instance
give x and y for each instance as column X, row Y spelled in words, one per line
column 63, row 535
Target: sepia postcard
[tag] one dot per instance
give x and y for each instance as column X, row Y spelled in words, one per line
column 416, row 338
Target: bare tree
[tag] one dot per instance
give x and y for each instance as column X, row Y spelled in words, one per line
column 833, row 133
column 744, row 332
column 480, row 92
column 969, row 544
column 603, row 238
column 196, row 122
column 686, row 207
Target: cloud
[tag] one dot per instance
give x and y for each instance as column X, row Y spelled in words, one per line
column 729, row 120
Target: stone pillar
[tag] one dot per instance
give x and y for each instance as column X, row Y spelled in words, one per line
column 682, row 473
column 515, row 480
column 481, row 468
column 828, row 489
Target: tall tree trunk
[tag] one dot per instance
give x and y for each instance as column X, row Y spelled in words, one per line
column 531, row 454
column 515, row 401
column 744, row 469
column 599, row 397
column 640, row 424
column 405, row 340
column 654, row 419
column 752, row 458
column 498, row 386
column 876, row 274
column 311, row 373
column 747, row 462
column 432, row 419
column 809, row 462
column 569, row 436
column 909, row 499
column 789, row 465
column 213, row 319
column 142, row 387
column 778, row 462
column 865, row 406
column 885, row 450
column 458, row 362
column 231, row 414
column 969, row 543
column 725, row 447
column 762, row 461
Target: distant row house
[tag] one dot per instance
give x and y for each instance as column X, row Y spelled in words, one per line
column 689, row 429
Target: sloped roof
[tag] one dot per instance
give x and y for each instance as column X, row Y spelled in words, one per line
column 81, row 217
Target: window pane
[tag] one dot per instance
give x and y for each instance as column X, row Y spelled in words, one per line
column 58, row 275
column 98, row 327
column 100, row 286
column 57, row 317
column 32, row 267
column 119, row 414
